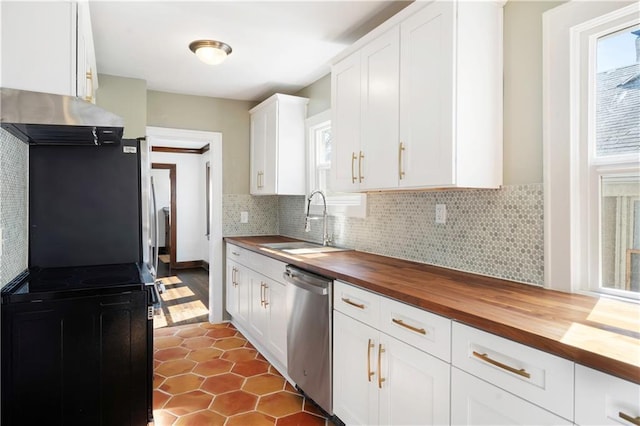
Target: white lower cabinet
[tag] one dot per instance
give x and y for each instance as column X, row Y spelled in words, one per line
column 602, row 399
column 381, row 380
column 476, row 402
column 257, row 303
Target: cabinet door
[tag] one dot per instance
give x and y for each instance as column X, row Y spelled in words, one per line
column 380, row 74
column 602, row 399
column 476, row 402
column 243, row 294
column 345, row 124
column 276, row 300
column 355, row 391
column 52, row 68
column 264, row 150
column 426, row 96
column 231, row 288
column 415, row 389
column 258, row 314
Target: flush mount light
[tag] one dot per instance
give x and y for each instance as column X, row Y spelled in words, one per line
column 210, row 52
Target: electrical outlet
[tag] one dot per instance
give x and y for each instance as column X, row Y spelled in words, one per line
column 244, row 217
column 441, row 213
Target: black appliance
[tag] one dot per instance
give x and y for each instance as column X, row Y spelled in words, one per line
column 77, row 326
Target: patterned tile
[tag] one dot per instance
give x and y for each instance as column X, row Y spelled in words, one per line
column 228, row 384
column 489, row 232
column 263, row 214
column 14, row 206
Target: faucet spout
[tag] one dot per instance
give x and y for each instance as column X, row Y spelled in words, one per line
column 307, row 225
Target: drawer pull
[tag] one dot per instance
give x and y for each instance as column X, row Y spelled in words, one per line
column 520, row 372
column 632, row 420
column 370, row 373
column 352, row 303
column 235, row 253
column 410, row 327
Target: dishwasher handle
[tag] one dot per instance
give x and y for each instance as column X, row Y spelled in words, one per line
column 292, row 279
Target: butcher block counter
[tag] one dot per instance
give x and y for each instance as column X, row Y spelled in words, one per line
column 601, row 333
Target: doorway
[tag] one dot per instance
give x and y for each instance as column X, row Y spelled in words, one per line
column 188, row 168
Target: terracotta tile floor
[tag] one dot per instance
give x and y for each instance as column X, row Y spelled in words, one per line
column 208, row 374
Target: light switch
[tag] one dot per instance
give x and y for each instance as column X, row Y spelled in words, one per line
column 244, row 217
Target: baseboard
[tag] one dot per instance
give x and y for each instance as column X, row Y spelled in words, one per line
column 205, row 265
column 188, row 265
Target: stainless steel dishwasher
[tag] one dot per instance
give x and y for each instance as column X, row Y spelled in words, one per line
column 309, row 348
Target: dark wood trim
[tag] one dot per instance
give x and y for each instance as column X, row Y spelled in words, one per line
column 174, row 211
column 205, row 265
column 190, row 264
column 180, row 150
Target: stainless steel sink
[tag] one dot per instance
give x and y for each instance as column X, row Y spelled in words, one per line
column 303, row 247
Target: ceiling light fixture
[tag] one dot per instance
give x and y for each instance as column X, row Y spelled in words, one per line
column 210, row 52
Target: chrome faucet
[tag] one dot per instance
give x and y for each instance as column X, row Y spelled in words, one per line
column 307, row 220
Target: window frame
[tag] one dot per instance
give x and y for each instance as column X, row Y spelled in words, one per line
column 571, row 172
column 338, row 204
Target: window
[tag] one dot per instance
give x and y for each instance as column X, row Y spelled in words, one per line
column 319, row 159
column 592, row 148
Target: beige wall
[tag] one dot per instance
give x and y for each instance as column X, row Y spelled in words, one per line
column 126, row 97
column 229, row 117
column 319, row 94
column 523, row 90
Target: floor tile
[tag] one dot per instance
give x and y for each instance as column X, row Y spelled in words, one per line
column 209, row 374
column 235, row 402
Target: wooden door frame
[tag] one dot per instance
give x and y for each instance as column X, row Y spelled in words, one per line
column 172, row 210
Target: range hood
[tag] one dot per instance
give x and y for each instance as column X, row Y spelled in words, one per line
column 48, row 119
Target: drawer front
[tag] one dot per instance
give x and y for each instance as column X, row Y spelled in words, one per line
column 235, row 253
column 428, row 332
column 541, row 378
column 357, row 303
column 265, row 265
column 602, row 399
column 476, row 402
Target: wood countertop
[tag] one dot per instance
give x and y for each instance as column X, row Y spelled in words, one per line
column 600, row 333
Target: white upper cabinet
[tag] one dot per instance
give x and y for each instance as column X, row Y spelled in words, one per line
column 278, row 146
column 48, row 47
column 430, row 101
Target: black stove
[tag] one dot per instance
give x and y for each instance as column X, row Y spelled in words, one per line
column 55, row 283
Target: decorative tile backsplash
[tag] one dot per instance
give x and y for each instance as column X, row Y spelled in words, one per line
column 497, row 233
column 263, row 215
column 14, row 206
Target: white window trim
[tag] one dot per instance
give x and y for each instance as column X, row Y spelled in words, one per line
column 349, row 205
column 565, row 247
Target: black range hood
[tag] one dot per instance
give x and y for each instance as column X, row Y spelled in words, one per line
column 48, row 119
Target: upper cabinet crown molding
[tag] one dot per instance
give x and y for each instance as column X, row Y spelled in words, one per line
column 278, row 146
column 48, row 47
column 417, row 103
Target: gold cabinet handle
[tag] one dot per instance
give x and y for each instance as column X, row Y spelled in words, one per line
column 380, row 378
column 353, row 163
column 352, row 303
column 632, row 420
column 360, row 166
column 400, row 154
column 410, row 327
column 520, row 372
column 89, row 95
column 266, row 302
column 370, row 373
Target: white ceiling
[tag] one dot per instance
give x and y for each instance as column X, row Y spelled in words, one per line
column 278, row 46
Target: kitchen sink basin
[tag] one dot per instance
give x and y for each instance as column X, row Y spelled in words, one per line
column 303, row 247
